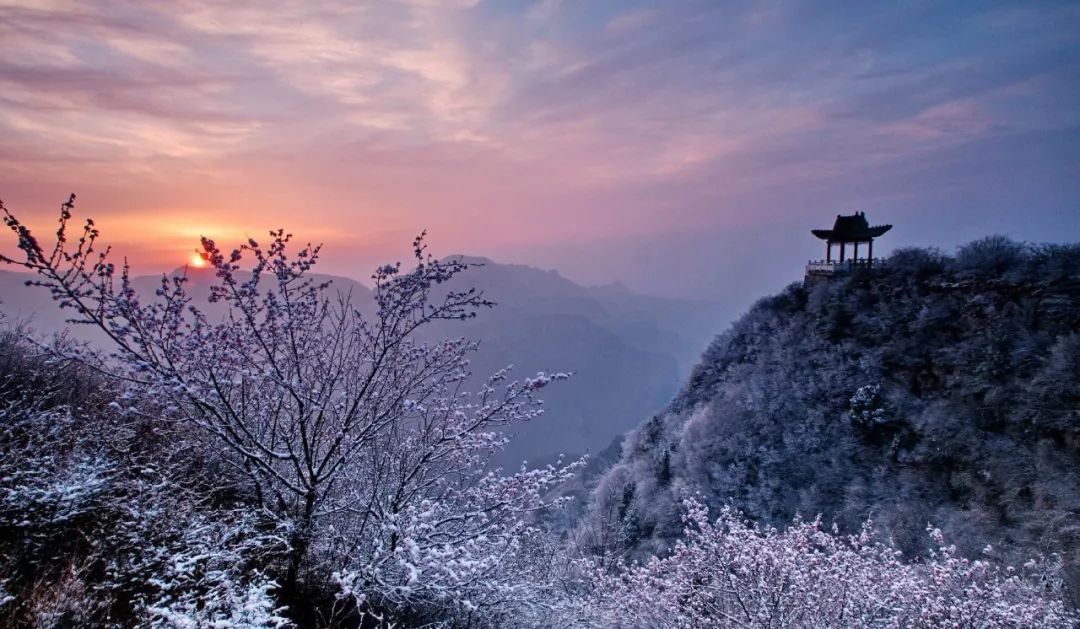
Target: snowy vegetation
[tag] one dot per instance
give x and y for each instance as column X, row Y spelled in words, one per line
column 938, row 390
column 282, row 459
column 728, row 572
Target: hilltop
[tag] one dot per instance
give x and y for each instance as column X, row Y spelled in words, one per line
column 938, row 390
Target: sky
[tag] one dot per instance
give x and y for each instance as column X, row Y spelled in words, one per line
column 681, row 148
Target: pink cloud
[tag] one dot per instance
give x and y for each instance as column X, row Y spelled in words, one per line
column 956, row 119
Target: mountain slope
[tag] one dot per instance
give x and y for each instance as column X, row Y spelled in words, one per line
column 943, row 390
column 628, row 352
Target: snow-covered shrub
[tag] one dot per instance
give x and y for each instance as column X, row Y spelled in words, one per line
column 56, row 497
column 729, row 572
column 62, row 601
column 210, row 576
column 461, row 556
column 917, row 261
column 97, row 507
column 233, row 605
column 867, row 407
column 991, row 255
column 44, row 502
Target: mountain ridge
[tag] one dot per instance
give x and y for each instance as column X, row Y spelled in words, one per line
column 628, row 351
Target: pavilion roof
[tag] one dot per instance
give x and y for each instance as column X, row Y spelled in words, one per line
column 852, row 228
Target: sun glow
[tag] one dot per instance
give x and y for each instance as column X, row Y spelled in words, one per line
column 197, row 261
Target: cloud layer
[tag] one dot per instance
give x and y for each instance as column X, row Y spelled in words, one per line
column 665, row 144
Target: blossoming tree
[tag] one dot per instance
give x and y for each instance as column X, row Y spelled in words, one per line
column 354, row 433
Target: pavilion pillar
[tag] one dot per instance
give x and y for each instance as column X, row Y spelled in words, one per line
column 841, row 250
column 855, row 258
column 870, row 253
column 828, row 251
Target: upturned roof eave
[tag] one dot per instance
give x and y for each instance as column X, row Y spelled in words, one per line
column 862, row 236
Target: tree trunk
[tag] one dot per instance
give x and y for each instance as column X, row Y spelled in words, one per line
column 300, row 543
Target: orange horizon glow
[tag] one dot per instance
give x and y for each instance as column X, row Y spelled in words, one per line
column 661, row 144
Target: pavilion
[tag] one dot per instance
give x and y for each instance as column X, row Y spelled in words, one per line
column 847, row 230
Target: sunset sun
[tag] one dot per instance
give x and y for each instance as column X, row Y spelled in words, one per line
column 197, row 261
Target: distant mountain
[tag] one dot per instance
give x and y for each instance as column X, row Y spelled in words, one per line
column 32, row 305
column 675, row 327
column 937, row 390
column 628, row 352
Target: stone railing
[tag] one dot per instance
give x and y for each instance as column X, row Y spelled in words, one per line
column 833, row 267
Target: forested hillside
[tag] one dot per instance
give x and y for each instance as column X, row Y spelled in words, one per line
column 939, row 389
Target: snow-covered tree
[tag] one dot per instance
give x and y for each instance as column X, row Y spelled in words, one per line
column 608, row 527
column 351, row 432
